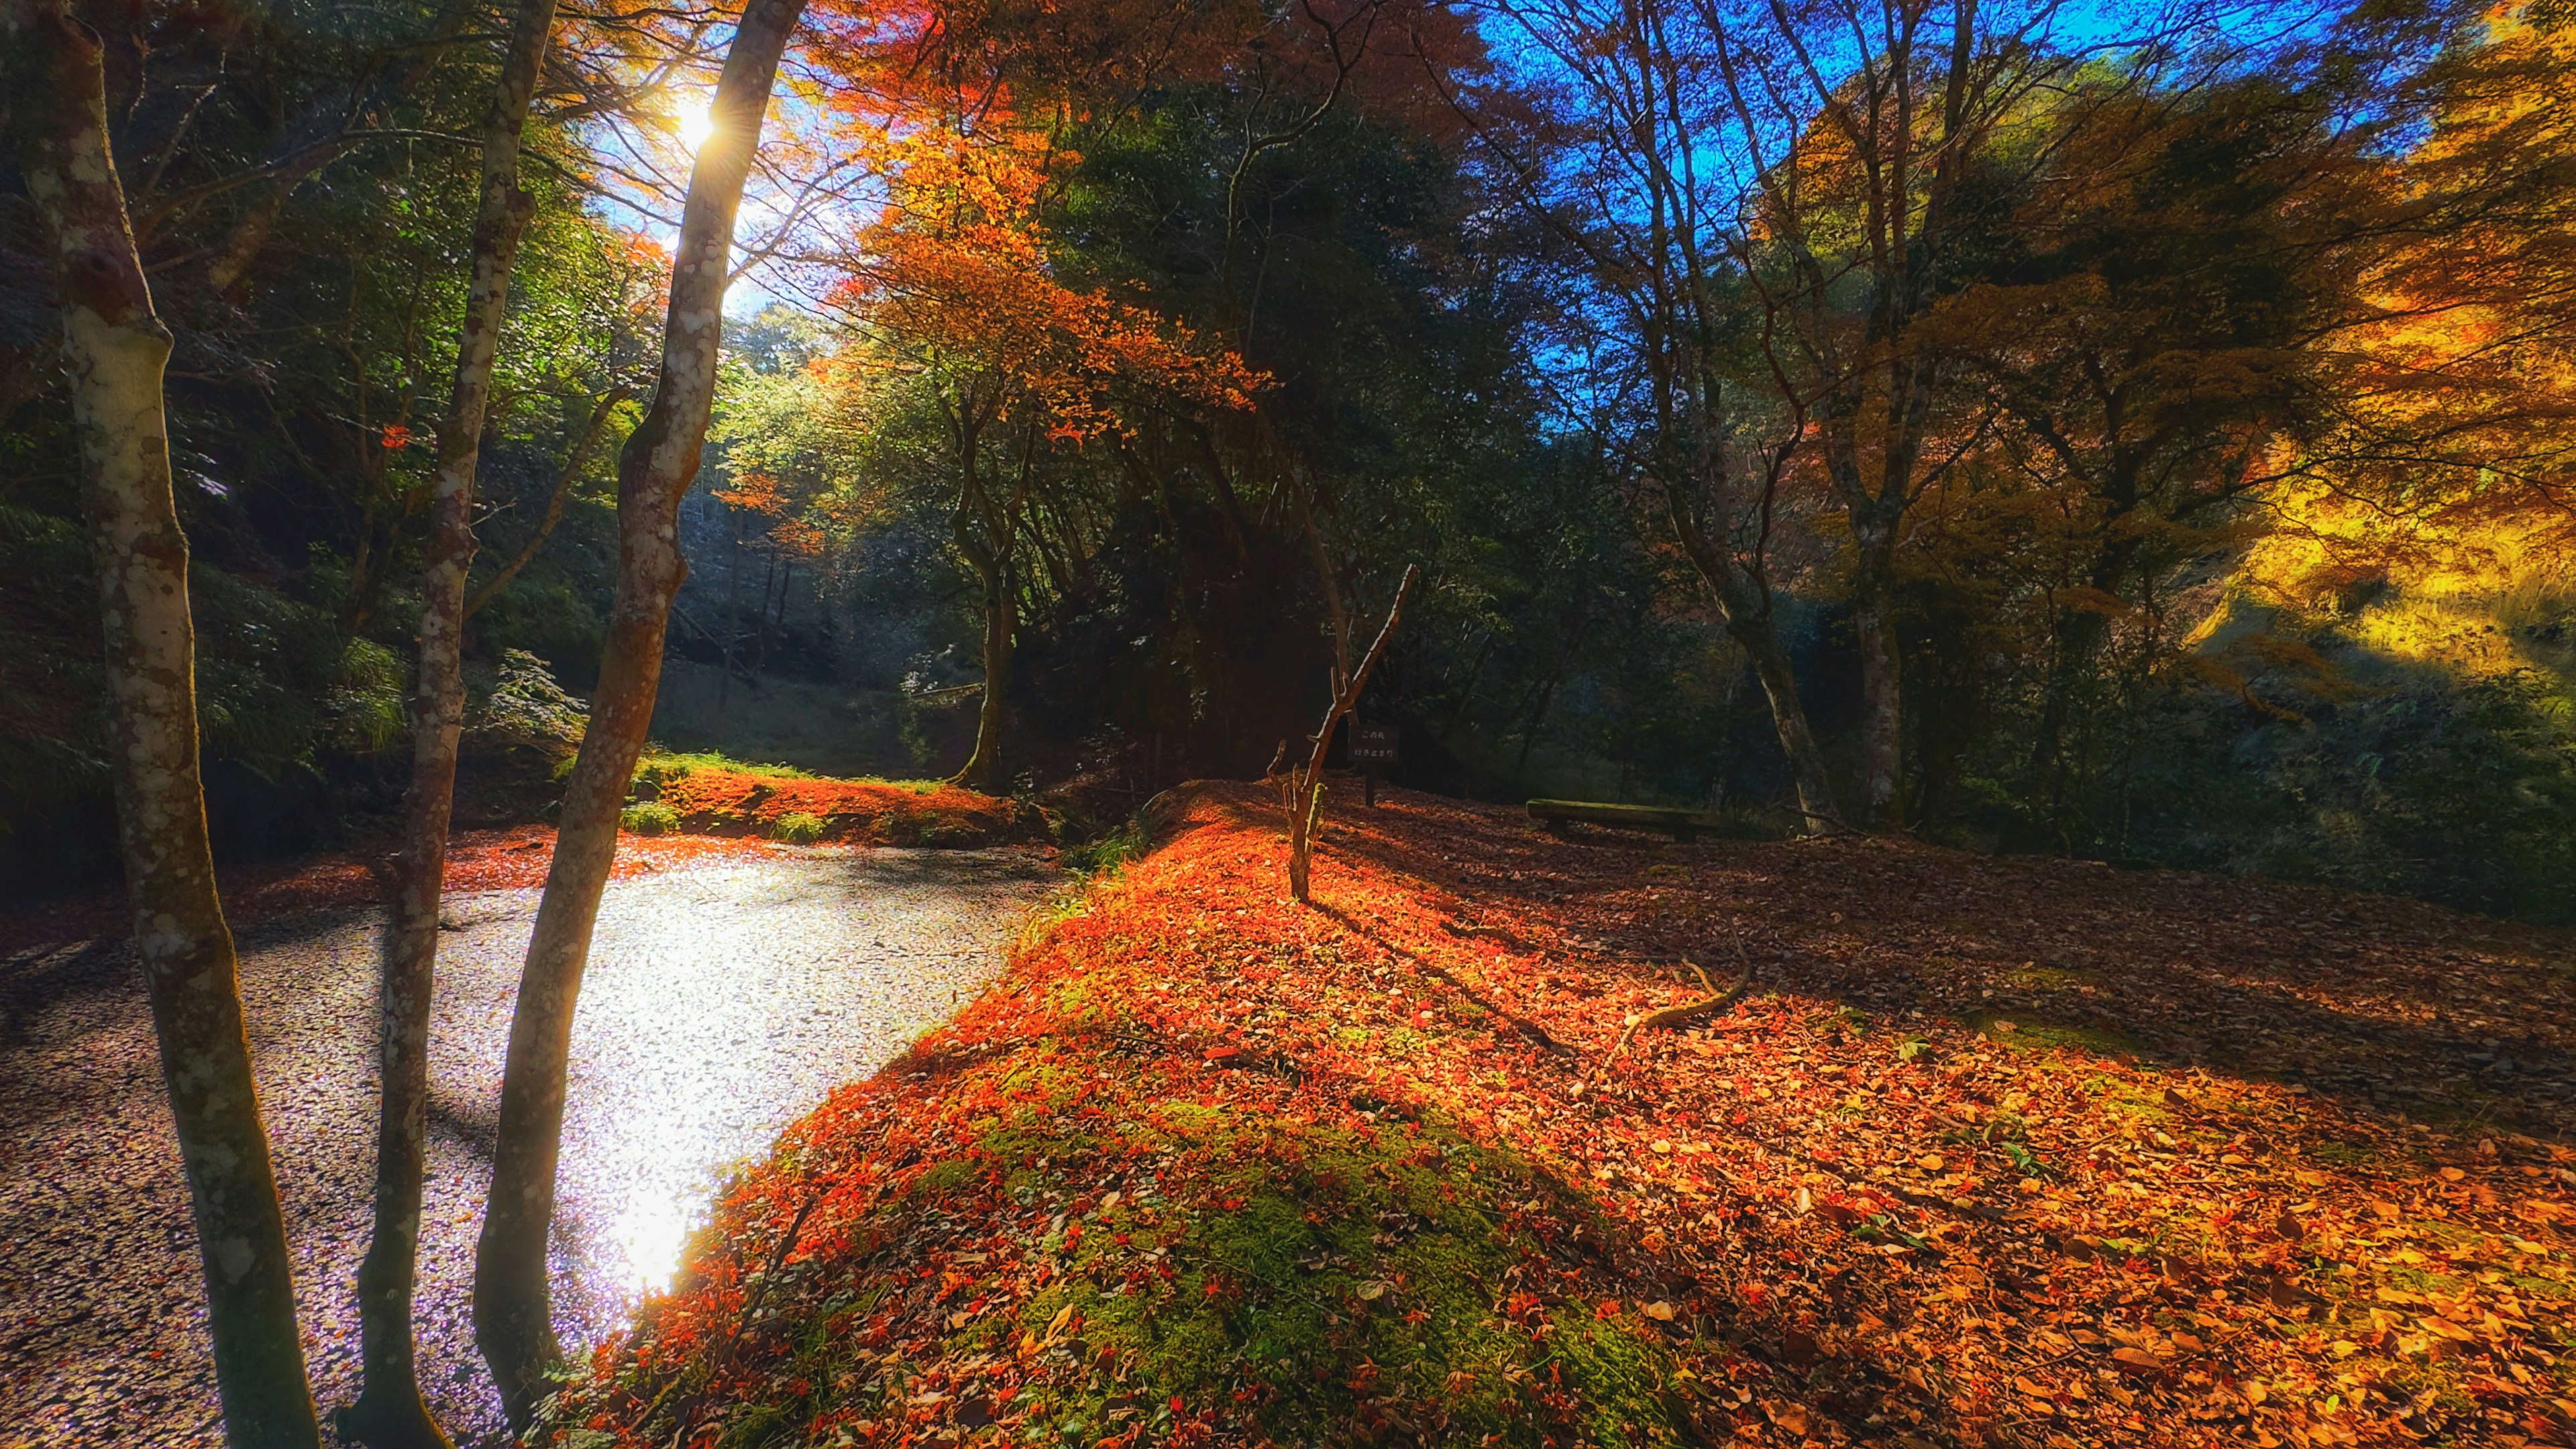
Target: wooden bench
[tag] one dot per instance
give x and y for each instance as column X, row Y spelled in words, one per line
column 1681, row 825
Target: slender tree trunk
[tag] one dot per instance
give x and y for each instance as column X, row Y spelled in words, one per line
column 1334, row 604
column 1789, row 723
column 574, row 463
column 732, row 610
column 114, row 352
column 1882, row 719
column 1747, row 617
column 988, row 535
column 760, row 617
column 984, row 767
column 512, row 1311
column 390, row 1413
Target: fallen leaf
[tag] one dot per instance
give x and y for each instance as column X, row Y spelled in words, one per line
column 2137, row 1361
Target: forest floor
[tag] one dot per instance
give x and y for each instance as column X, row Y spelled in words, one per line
column 1989, row 1151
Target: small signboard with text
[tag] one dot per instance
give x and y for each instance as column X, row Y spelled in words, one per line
column 1372, row 744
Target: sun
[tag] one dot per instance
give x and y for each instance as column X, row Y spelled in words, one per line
column 697, row 121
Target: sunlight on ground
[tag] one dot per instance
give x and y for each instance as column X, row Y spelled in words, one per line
column 647, row 1238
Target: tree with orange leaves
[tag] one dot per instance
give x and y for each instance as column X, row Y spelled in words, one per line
column 955, row 286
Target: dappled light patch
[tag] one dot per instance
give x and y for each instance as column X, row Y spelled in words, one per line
column 1988, row 1151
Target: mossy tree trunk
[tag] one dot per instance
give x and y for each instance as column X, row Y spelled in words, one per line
column 115, row 351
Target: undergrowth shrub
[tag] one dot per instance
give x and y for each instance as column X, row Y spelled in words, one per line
column 1109, row 854
column 649, row 817
column 2463, row 794
column 528, row 708
column 797, row 828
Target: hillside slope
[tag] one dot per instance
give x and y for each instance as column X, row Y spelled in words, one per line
column 1988, row 1152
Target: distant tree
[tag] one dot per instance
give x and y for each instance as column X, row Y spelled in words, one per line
column 957, row 284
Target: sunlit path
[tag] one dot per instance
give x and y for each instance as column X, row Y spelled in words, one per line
column 720, row 1003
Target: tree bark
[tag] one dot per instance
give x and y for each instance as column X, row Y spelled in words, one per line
column 1000, row 626
column 1882, row 718
column 987, row 532
column 390, row 1413
column 1746, row 614
column 512, row 1311
column 115, row 350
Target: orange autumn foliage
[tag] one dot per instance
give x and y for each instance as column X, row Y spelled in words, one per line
column 956, row 271
column 716, row 801
column 2095, row 1155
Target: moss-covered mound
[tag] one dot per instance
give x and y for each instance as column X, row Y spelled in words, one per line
column 680, row 792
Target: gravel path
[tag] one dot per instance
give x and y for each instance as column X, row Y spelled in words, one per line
column 721, row 1002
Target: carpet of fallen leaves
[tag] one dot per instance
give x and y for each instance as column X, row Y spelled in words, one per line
column 1988, row 1151
column 716, row 801
column 477, row 860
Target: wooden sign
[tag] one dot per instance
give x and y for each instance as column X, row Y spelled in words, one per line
column 1372, row 744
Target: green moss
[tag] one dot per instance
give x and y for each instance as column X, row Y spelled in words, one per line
column 797, row 827
column 2052, row 978
column 2037, row 1036
column 648, row 817
column 660, row 765
column 1336, row 1286
column 669, row 765
column 1350, row 1288
column 2418, row 1280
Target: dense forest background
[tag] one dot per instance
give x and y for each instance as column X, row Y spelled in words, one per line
column 2136, row 438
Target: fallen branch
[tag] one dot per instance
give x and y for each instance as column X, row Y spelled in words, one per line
column 1670, row 1016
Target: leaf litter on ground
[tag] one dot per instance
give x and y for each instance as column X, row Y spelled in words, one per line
column 1989, row 1151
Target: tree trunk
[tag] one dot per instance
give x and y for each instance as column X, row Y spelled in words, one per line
column 760, row 615
column 114, row 352
column 988, row 534
column 390, row 1413
column 1882, row 722
column 512, row 1312
column 984, row 766
column 1746, row 613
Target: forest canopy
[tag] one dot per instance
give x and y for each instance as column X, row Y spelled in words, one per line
column 2137, row 433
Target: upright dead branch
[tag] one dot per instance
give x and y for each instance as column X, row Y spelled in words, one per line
column 1306, row 797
